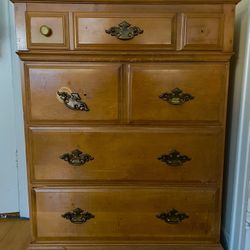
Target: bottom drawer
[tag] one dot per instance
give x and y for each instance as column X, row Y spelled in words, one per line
column 126, row 214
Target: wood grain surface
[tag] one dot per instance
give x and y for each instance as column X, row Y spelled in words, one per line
column 185, row 45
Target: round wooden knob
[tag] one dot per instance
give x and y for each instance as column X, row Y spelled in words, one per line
column 45, row 30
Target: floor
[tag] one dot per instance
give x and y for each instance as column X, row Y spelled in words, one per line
column 14, row 234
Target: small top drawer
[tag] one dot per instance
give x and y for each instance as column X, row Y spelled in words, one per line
column 125, row 30
column 47, row 30
column 203, row 31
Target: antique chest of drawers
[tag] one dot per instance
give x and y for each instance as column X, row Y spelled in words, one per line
column 125, row 107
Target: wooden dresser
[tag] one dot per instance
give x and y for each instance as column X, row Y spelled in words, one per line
column 125, row 107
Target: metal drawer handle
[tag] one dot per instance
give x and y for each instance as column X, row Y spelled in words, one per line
column 124, row 31
column 76, row 158
column 46, row 30
column 78, row 216
column 172, row 216
column 174, row 158
column 73, row 101
column 176, row 97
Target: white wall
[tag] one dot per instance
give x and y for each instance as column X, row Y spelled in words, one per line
column 8, row 166
column 13, row 180
column 19, row 123
column 237, row 173
column 247, row 246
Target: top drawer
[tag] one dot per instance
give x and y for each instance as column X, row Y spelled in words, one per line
column 128, row 27
column 47, row 30
column 125, row 30
column 203, row 31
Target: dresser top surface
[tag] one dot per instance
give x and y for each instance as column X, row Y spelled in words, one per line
column 133, row 1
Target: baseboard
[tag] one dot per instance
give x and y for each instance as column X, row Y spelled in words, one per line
column 9, row 215
column 125, row 247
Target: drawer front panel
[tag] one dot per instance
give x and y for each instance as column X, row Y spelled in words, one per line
column 203, row 31
column 125, row 30
column 126, row 155
column 47, row 30
column 126, row 214
column 178, row 92
column 96, row 85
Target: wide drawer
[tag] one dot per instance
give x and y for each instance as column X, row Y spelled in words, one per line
column 190, row 92
column 126, row 214
column 62, row 92
column 126, row 154
column 125, row 30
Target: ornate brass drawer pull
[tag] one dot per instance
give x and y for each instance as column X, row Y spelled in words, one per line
column 46, row 31
column 78, row 216
column 73, row 101
column 176, row 97
column 76, row 158
column 174, row 158
column 124, row 31
column 172, row 216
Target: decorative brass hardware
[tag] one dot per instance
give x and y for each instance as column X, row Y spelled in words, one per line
column 124, row 31
column 176, row 97
column 174, row 158
column 172, row 216
column 78, row 216
column 76, row 158
column 73, row 101
column 46, row 31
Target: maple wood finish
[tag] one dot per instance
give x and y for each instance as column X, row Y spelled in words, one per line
column 97, row 84
column 57, row 35
column 203, row 31
column 205, row 82
column 125, row 108
column 123, row 214
column 133, row 155
column 125, row 247
column 89, row 29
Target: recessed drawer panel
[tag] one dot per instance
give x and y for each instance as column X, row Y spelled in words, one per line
column 85, row 92
column 47, row 30
column 203, row 31
column 126, row 214
column 189, row 92
column 125, row 30
column 173, row 155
